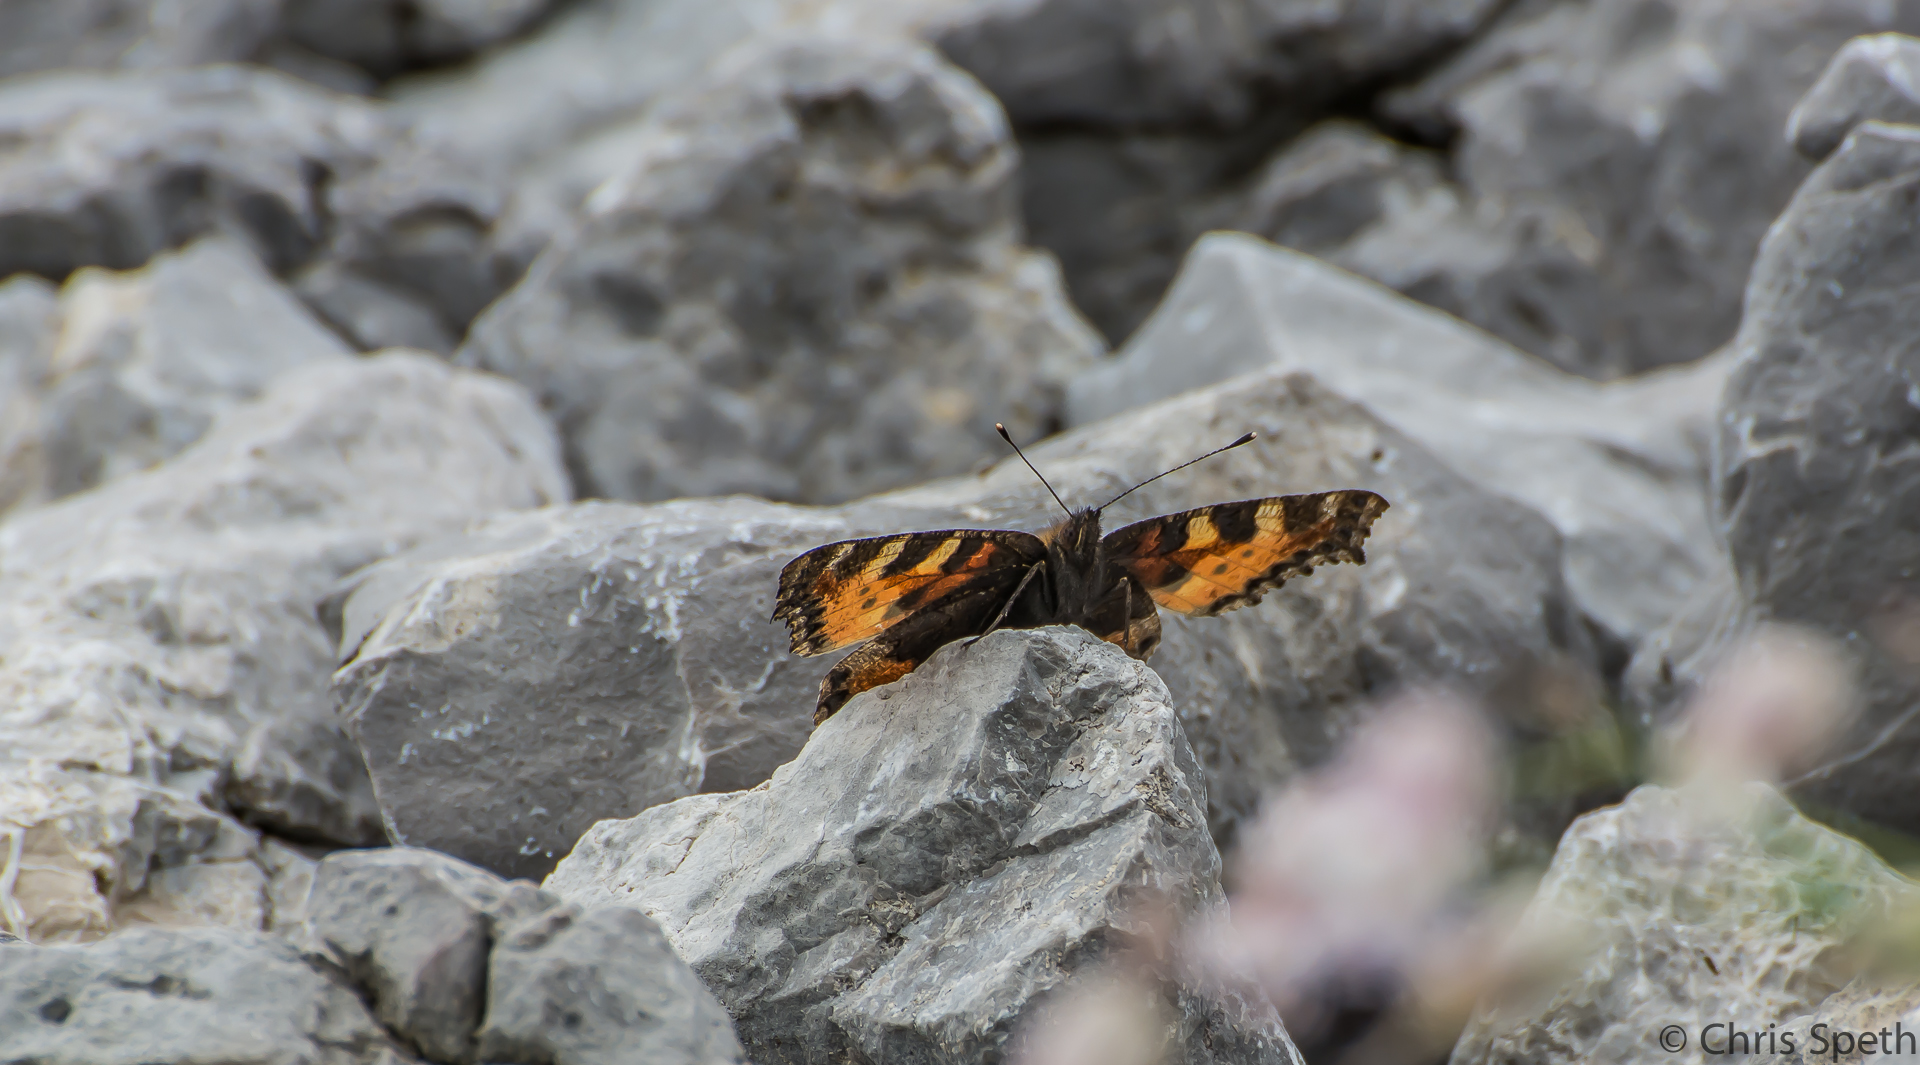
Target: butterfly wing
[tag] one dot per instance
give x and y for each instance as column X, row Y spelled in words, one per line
column 845, row 593
column 1206, row 561
column 900, row 650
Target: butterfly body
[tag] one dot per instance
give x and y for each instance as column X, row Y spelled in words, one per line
column 905, row 596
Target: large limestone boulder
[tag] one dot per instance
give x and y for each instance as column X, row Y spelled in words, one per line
column 810, row 288
column 943, row 853
column 1817, row 483
column 589, row 662
column 1688, row 907
column 1620, row 469
column 163, row 659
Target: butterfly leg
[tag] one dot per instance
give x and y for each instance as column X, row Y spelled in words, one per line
column 1032, row 571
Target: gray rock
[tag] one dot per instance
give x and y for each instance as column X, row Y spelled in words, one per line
column 827, row 301
column 946, row 851
column 385, row 37
column 27, row 322
column 643, row 668
column 143, row 362
column 578, row 988
column 410, row 258
column 592, row 661
column 1686, row 907
column 1630, row 155
column 188, row 996
column 1818, row 487
column 150, row 628
column 466, row 966
column 111, row 169
column 1875, row 77
column 1330, row 185
column 412, row 928
column 593, row 65
column 37, row 35
column 1619, row 469
column 301, row 778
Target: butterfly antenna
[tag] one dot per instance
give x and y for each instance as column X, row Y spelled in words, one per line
column 1247, row 439
column 1002, row 430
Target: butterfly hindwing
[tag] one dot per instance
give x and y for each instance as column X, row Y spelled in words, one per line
column 854, row 590
column 1206, row 561
column 900, row 650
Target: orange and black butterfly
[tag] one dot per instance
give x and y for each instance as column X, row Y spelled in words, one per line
column 912, row 593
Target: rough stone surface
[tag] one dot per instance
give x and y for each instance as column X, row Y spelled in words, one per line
column 146, row 630
column 1876, row 77
column 1620, row 469
column 944, row 852
column 37, row 35
column 27, row 317
column 301, row 778
column 599, row 988
column 385, row 37
column 191, row 996
column 1630, row 156
column 144, row 361
column 642, row 669
column 1818, row 472
column 827, row 301
column 110, row 169
column 648, row 624
column 413, row 928
column 466, row 966
column 1688, row 907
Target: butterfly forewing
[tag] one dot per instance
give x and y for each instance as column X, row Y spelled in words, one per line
column 851, row 591
column 1205, row 561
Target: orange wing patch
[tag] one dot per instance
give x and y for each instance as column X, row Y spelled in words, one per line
column 1207, row 561
column 854, row 590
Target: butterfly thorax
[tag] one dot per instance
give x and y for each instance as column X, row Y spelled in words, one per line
column 1076, row 568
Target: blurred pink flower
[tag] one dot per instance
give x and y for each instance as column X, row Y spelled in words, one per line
column 1347, row 876
column 1769, row 711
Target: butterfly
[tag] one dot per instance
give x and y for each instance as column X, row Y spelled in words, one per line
column 907, row 595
